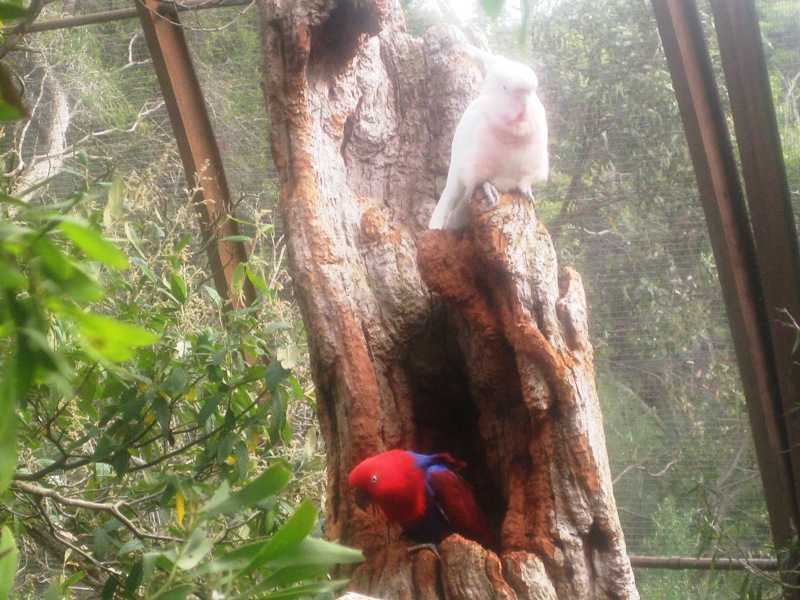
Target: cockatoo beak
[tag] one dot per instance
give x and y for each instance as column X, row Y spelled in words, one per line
column 524, row 92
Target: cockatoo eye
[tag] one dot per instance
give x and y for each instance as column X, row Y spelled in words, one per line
column 504, row 87
column 374, row 479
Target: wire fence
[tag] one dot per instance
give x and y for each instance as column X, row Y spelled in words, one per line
column 622, row 206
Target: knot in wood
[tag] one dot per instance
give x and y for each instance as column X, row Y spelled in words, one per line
column 374, row 226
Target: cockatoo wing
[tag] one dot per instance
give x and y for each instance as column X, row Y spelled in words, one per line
column 452, row 210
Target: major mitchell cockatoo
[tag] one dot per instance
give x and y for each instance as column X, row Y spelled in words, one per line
column 500, row 141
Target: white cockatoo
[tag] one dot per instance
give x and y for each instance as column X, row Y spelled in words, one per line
column 500, row 141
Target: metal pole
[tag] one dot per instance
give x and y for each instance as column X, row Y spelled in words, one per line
column 769, row 201
column 197, row 145
column 734, row 251
column 120, row 14
column 704, row 564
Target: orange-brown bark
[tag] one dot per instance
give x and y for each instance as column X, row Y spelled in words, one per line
column 471, row 343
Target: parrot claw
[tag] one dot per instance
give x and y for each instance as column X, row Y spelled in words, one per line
column 491, row 194
column 528, row 192
column 417, row 547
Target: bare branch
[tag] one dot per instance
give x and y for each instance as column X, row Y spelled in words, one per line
column 114, row 509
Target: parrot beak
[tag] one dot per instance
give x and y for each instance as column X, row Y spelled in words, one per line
column 524, row 92
column 363, row 500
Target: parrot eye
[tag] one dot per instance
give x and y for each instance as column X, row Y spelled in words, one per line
column 374, row 479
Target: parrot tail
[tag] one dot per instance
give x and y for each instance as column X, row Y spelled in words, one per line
column 452, row 210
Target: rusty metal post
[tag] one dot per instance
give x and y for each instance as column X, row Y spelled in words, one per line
column 196, row 144
column 768, row 198
column 734, row 251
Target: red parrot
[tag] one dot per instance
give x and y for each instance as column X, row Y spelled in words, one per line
column 422, row 494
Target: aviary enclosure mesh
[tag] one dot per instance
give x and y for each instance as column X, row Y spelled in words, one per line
column 622, row 206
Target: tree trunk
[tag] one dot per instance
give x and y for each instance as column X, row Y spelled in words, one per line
column 462, row 342
column 43, row 149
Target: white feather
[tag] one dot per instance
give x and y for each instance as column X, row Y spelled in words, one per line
column 501, row 139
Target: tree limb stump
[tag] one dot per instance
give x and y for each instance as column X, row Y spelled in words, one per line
column 466, row 342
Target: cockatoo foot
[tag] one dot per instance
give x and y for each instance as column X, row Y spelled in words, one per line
column 492, row 197
column 529, row 194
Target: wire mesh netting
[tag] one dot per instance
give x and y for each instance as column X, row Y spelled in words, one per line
column 622, row 206
column 624, row 209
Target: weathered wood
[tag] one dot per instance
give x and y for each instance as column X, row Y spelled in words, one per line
column 470, row 343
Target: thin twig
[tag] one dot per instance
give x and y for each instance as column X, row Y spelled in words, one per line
column 114, row 509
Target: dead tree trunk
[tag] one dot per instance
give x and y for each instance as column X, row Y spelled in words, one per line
column 469, row 343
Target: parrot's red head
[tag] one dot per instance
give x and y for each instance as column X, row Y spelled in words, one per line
column 394, row 482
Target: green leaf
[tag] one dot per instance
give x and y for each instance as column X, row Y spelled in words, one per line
column 269, row 483
column 183, row 242
column 116, row 201
column 307, row 590
column 242, row 456
column 492, row 8
column 175, row 593
column 111, row 339
column 134, row 579
column 276, row 373
column 145, row 269
column 178, row 381
column 72, row 580
column 132, row 404
column 133, row 238
column 101, row 540
column 225, row 447
column 151, row 560
column 8, row 429
column 310, row 551
column 287, row 576
column 130, row 547
column 177, row 286
column 237, row 280
column 222, row 495
column 213, row 295
column 297, row 528
column 277, row 326
column 195, row 550
column 94, row 245
column 10, row 11
column 257, row 281
column 56, row 264
column 8, row 563
column 9, row 112
column 11, row 278
column 53, row 593
column 290, row 356
column 163, row 414
column 208, row 408
column 64, row 273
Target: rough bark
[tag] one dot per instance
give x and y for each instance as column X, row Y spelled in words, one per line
column 470, row 342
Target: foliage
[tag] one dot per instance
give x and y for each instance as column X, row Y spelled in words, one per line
column 674, row 536
column 129, row 456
